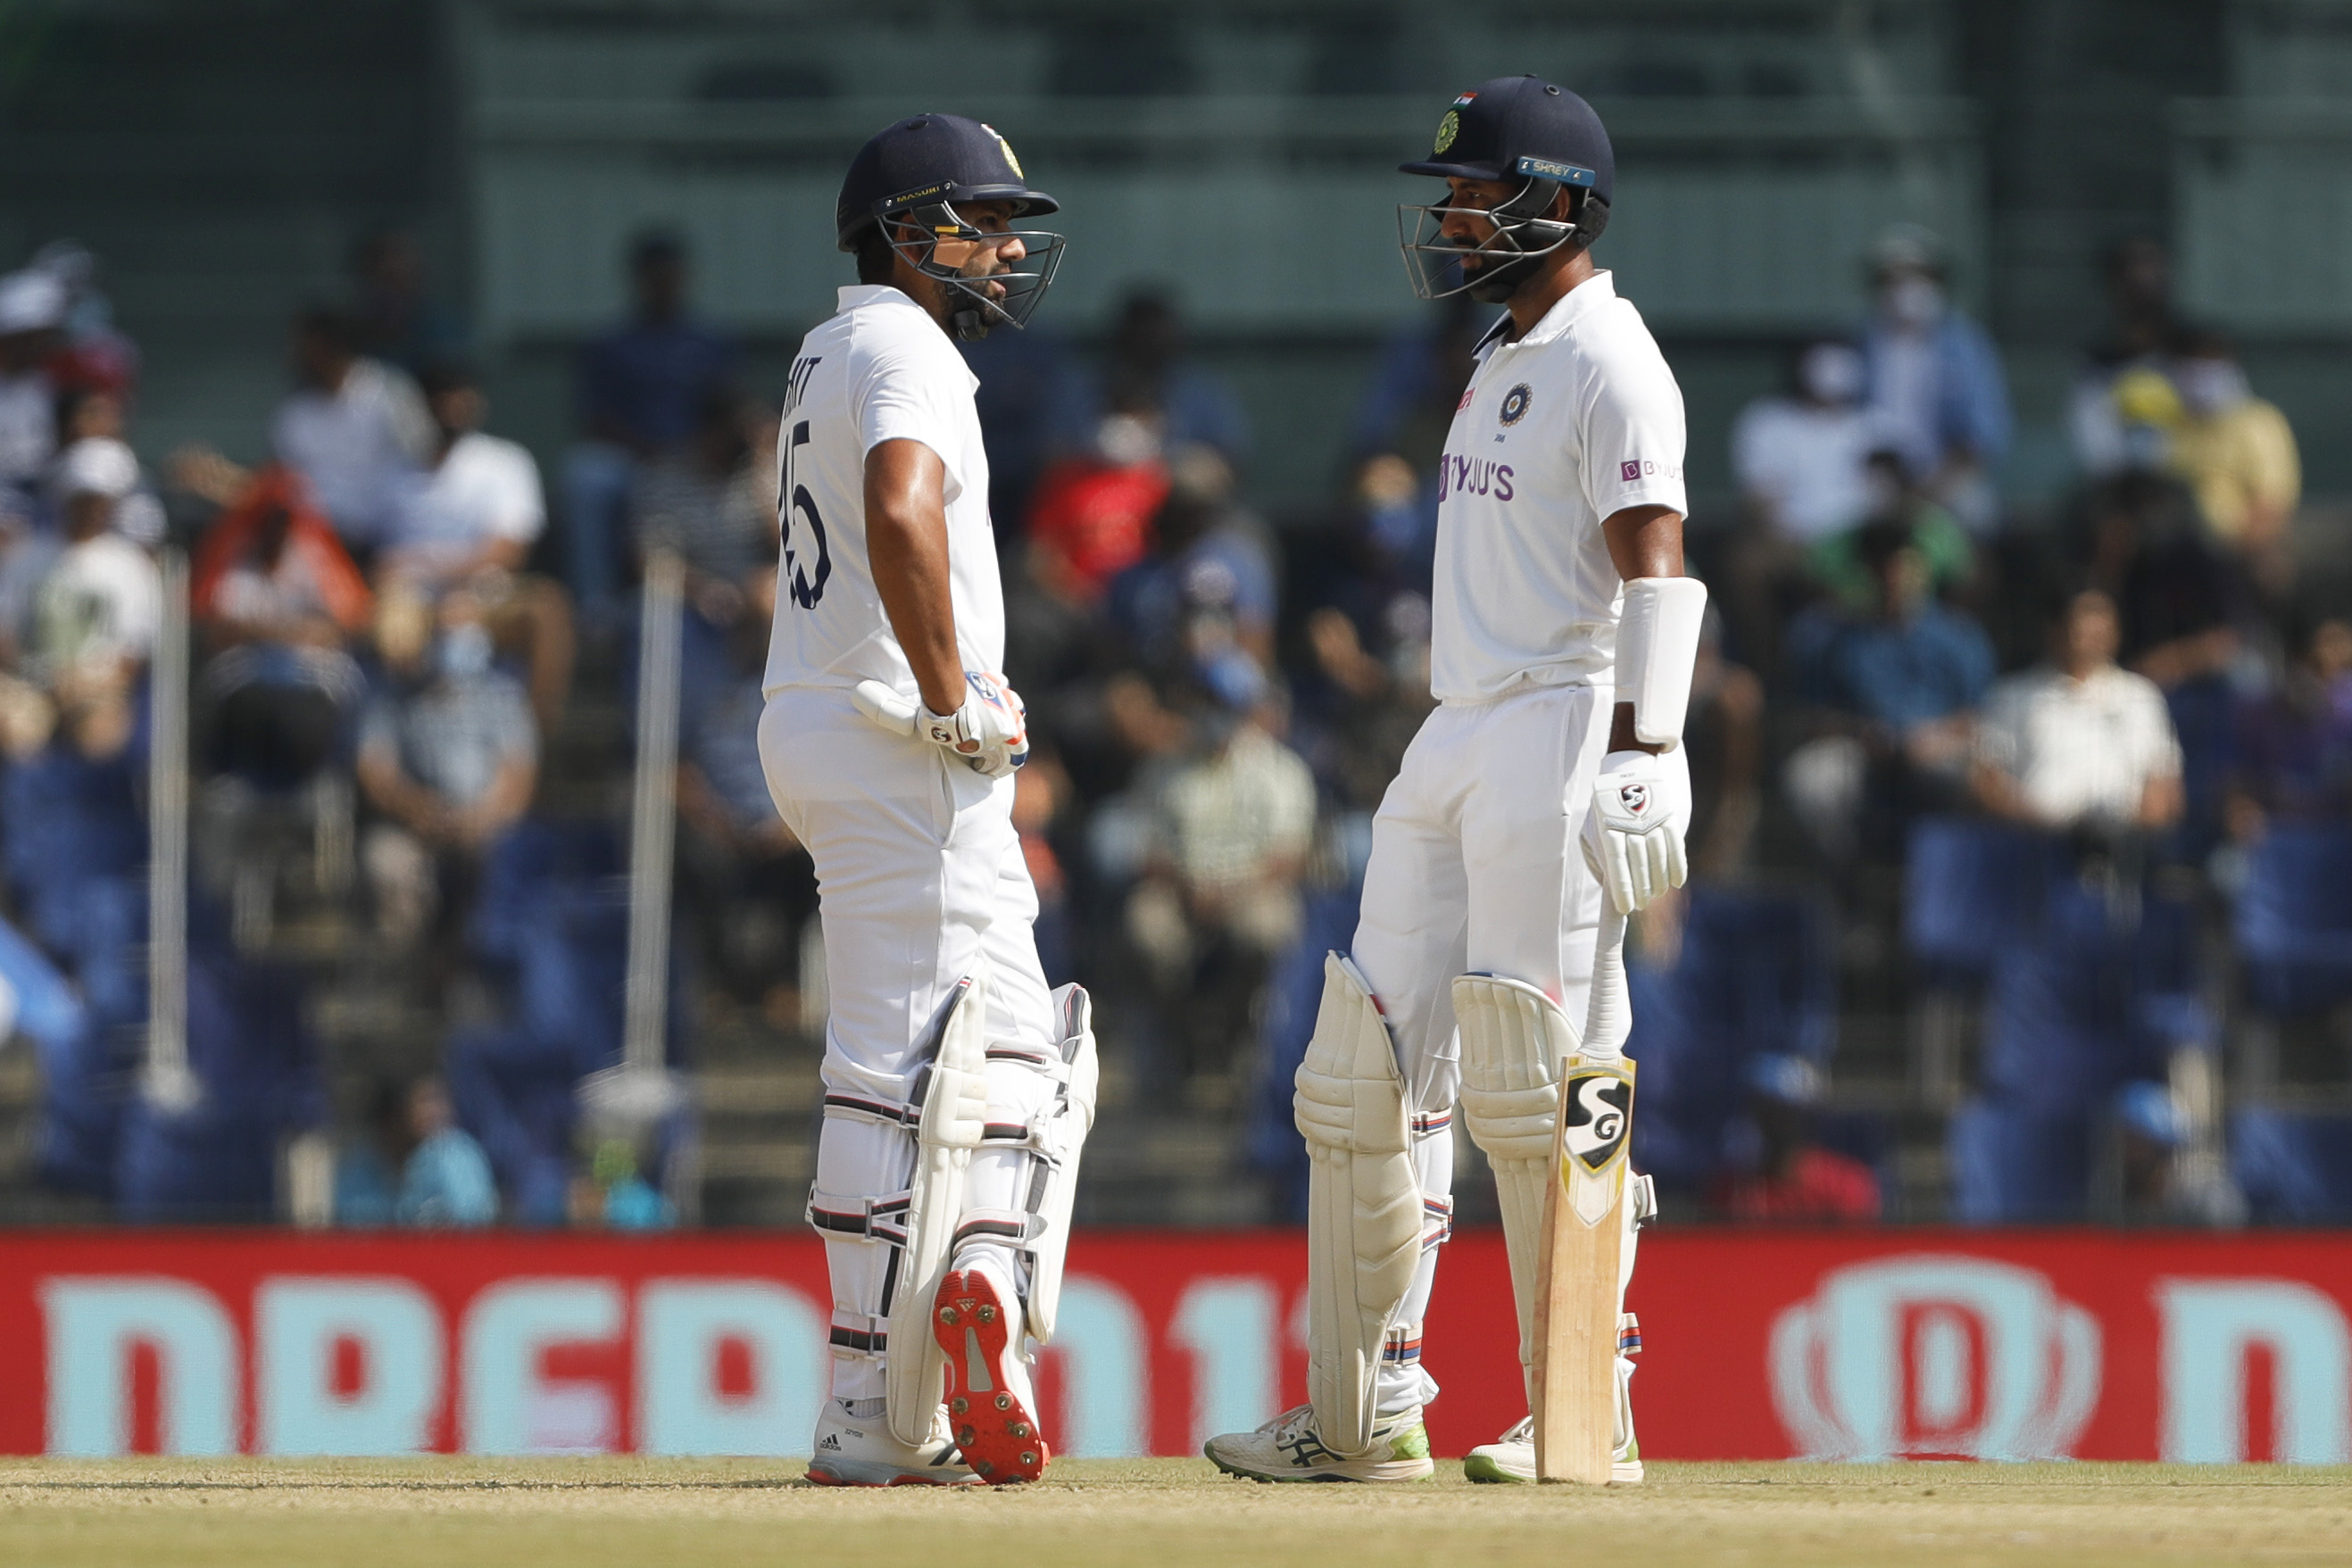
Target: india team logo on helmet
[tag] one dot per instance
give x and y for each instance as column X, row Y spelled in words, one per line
column 1018, row 173
column 1447, row 129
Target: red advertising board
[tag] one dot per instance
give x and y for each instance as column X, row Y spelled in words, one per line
column 1857, row 1344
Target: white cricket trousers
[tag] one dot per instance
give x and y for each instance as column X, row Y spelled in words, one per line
column 920, row 883
column 1477, row 865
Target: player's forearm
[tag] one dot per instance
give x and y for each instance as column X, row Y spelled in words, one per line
column 1644, row 542
column 907, row 539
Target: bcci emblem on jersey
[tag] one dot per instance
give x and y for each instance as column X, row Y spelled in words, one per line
column 1515, row 404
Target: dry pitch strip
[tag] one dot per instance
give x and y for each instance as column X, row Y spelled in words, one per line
column 461, row 1514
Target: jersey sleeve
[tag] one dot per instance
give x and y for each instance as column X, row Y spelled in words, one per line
column 900, row 393
column 1634, row 434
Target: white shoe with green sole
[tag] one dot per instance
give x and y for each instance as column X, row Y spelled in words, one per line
column 1512, row 1458
column 1288, row 1449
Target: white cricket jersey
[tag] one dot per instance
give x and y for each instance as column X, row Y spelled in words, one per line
column 1578, row 420
column 879, row 369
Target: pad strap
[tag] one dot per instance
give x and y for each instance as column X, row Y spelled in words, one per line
column 880, row 1219
column 861, row 1332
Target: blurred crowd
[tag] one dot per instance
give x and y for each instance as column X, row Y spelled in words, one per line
column 1999, row 816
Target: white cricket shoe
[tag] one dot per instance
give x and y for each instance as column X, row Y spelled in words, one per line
column 1286, row 1449
column 862, row 1451
column 1512, row 1458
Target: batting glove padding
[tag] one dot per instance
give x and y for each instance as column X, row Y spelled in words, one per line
column 1633, row 834
column 989, row 733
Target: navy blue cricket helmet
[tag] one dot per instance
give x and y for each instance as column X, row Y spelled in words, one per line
column 910, row 179
column 1520, row 129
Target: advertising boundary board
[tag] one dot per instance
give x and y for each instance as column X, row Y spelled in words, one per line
column 1855, row 1345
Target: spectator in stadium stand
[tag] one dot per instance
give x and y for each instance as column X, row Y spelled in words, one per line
column 32, row 312
column 2143, row 331
column 445, row 1184
column 1891, row 696
column 1361, row 679
column 468, row 518
column 712, row 502
column 91, row 354
column 2150, row 1183
column 399, row 322
column 1232, row 820
column 1793, row 1179
column 278, row 604
column 1209, row 572
column 2291, row 746
column 613, row 1194
column 356, row 430
column 98, row 609
column 418, row 1168
column 2079, row 742
column 641, row 390
column 1798, row 456
column 448, row 760
column 1147, row 371
column 2179, row 599
column 1091, row 518
column 1935, row 380
column 1835, row 561
column 85, row 416
column 2236, row 451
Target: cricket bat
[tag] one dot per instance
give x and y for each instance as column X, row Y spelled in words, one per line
column 1572, row 1393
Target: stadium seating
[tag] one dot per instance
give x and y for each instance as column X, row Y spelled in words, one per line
column 2294, row 1169
column 1969, row 884
column 2294, row 920
column 552, row 918
column 1754, row 975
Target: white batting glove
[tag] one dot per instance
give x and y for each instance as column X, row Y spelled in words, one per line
column 989, row 733
column 1633, row 834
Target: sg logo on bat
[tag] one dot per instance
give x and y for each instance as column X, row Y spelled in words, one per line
column 1596, row 1116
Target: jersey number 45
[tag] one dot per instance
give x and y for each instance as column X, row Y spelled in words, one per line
column 804, row 579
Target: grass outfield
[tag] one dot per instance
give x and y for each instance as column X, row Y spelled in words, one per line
column 477, row 1514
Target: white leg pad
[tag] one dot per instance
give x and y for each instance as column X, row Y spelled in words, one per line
column 951, row 1113
column 1056, row 1136
column 1514, row 1039
column 1364, row 1210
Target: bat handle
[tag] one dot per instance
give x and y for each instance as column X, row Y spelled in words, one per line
column 1609, row 1017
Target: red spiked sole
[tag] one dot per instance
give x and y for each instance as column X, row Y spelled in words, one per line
column 996, row 1432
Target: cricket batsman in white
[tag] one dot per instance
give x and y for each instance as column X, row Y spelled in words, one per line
column 957, row 1091
column 1548, row 778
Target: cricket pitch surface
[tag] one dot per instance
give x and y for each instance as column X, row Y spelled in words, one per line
column 1107, row 1513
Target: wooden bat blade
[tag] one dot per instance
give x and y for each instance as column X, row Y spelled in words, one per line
column 1572, row 1392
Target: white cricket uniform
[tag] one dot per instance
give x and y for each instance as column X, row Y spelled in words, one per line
column 920, row 872
column 1476, row 862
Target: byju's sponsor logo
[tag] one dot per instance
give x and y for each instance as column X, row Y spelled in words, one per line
column 1474, row 477
column 1934, row 1356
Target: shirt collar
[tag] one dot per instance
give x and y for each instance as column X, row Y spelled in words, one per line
column 884, row 296
column 1571, row 307
column 862, row 293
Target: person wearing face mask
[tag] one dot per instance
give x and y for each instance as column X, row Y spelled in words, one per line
column 1935, row 380
column 1801, row 460
column 2236, row 451
column 449, row 758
